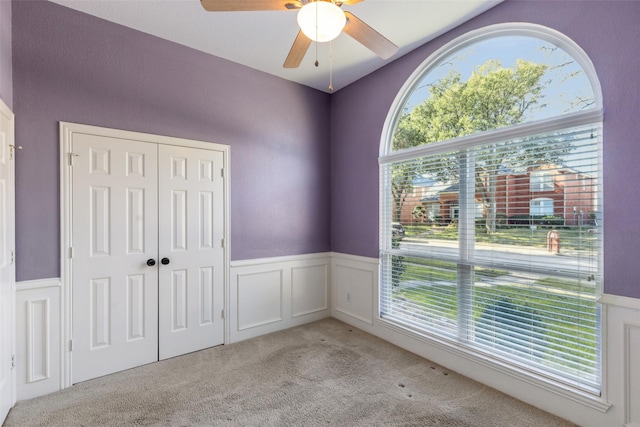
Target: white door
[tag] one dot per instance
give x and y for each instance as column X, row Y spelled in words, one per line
column 148, row 261
column 191, row 213
column 7, row 269
column 114, row 236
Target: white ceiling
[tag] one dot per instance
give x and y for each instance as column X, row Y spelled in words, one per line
column 261, row 40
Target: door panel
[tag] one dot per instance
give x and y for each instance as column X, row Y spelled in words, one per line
column 7, row 269
column 191, row 213
column 114, row 233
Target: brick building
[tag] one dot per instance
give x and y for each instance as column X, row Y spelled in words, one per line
column 545, row 192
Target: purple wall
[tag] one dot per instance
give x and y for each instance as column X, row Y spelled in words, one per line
column 6, row 83
column 69, row 66
column 606, row 30
column 291, row 190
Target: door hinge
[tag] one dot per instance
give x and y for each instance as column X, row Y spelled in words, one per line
column 70, row 252
column 71, row 156
column 13, row 361
column 222, row 243
column 70, row 345
column 222, row 173
column 13, row 258
column 222, row 315
column 12, row 149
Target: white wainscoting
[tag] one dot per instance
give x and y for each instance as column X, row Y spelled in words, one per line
column 622, row 359
column 271, row 294
column 38, row 338
column 355, row 297
column 267, row 295
column 355, row 284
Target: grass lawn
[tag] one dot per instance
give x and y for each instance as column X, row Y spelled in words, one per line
column 430, row 292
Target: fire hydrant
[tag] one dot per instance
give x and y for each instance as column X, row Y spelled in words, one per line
column 553, row 241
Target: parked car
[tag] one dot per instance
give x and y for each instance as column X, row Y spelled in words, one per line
column 397, row 231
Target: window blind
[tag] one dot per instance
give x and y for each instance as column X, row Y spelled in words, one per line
column 501, row 250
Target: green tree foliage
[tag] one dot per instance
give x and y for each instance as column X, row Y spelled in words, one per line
column 418, row 213
column 493, row 97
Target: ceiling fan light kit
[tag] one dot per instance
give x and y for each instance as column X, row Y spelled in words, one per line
column 321, row 21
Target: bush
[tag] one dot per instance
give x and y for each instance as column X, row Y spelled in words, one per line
column 419, row 213
column 519, row 220
column 548, row 220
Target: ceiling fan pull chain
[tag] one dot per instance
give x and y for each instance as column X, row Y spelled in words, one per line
column 316, row 63
column 330, row 66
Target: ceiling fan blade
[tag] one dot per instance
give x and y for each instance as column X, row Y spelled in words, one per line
column 249, row 5
column 369, row 37
column 298, row 50
column 349, row 2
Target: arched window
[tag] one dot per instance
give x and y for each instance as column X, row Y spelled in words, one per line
column 505, row 124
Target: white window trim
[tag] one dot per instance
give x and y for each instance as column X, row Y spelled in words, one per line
column 491, row 31
column 492, row 136
column 387, row 155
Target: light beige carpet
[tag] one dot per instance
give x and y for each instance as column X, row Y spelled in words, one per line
column 324, row 373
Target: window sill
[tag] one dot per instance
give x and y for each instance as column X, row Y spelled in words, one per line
column 545, row 384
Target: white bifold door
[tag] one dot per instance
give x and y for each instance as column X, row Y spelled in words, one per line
column 147, row 252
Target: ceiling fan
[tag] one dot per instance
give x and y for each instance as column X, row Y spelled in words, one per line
column 313, row 15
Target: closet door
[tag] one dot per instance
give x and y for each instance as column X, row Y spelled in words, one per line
column 191, row 215
column 114, row 255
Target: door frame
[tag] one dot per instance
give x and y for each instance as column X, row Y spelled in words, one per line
column 11, row 245
column 67, row 131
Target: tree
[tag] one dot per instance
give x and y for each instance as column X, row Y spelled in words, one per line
column 401, row 174
column 493, row 97
column 401, row 186
column 419, row 213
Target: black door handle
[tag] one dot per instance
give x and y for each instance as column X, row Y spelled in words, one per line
column 151, row 262
column 165, row 261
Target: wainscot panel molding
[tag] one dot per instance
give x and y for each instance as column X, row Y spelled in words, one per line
column 271, row 294
column 355, row 281
column 622, row 358
column 38, row 338
column 268, row 295
column 354, row 289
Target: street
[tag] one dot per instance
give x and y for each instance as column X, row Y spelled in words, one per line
column 567, row 262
